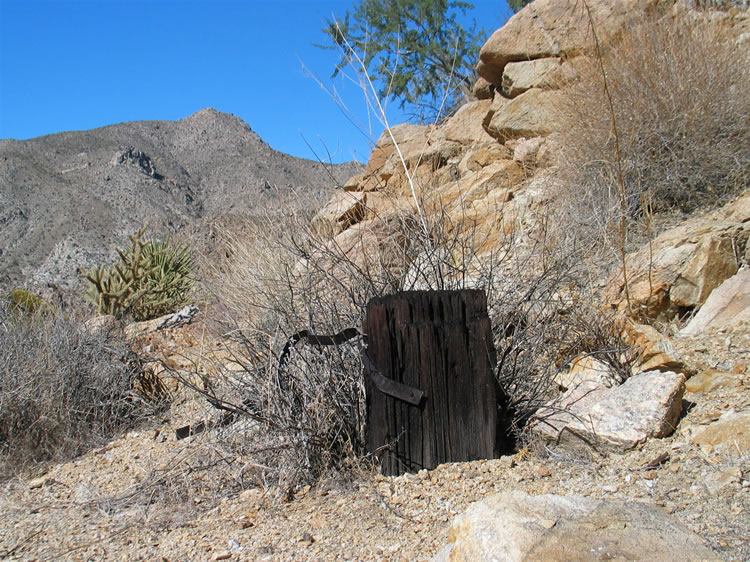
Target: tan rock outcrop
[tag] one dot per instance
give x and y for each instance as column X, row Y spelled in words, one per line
column 465, row 126
column 411, row 139
column 343, row 210
column 529, row 115
column 421, row 144
column 710, row 380
column 727, row 305
column 655, row 352
column 526, row 150
column 459, row 196
column 553, row 28
column 681, row 267
column 730, row 432
column 370, row 181
column 482, row 155
column 368, row 245
column 483, row 90
column 548, row 73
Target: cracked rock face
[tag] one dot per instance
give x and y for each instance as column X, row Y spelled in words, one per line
column 549, row 28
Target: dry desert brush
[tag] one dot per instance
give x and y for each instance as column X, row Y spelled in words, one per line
column 63, row 389
column 298, row 417
column 680, row 109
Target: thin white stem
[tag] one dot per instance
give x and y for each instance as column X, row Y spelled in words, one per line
column 383, row 118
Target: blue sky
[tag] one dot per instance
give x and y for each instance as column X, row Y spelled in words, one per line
column 79, row 64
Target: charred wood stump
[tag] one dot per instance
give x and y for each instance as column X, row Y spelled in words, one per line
column 439, row 342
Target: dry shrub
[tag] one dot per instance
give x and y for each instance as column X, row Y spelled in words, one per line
column 303, row 418
column 679, row 88
column 63, row 389
column 299, row 421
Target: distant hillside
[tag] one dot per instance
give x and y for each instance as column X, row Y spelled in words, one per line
column 67, row 199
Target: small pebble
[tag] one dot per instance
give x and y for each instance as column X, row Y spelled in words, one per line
column 37, row 483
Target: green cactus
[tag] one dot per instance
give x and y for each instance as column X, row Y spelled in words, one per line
column 153, row 277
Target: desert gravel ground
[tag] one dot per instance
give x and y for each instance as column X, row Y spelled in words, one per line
column 104, row 505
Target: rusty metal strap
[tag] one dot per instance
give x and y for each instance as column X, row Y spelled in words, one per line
column 388, row 386
column 312, row 339
column 385, row 385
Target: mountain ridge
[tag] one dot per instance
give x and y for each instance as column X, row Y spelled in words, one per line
column 69, row 198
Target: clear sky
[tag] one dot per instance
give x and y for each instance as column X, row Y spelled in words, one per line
column 79, row 64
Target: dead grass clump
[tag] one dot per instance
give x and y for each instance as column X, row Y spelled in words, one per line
column 678, row 87
column 63, row 390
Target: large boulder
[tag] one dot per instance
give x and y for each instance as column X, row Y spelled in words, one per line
column 516, row 526
column 529, row 115
column 677, row 271
column 465, row 126
column 592, row 416
column 519, row 77
column 553, row 28
column 728, row 305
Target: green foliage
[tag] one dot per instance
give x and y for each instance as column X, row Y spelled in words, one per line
column 516, row 5
column 153, row 277
column 27, row 303
column 414, row 49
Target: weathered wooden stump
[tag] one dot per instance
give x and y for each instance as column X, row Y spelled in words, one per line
column 439, row 342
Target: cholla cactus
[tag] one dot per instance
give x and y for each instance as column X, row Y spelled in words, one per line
column 151, row 279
